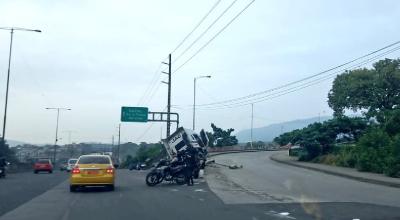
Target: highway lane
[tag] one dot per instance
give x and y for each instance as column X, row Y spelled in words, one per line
column 242, row 198
column 264, row 181
column 132, row 199
column 19, row 188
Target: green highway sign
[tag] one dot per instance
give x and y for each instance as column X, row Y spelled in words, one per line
column 134, row 114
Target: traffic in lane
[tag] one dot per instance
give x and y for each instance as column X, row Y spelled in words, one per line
column 132, row 198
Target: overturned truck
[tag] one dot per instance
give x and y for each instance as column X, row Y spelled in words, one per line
column 184, row 138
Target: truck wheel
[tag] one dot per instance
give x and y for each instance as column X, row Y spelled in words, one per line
column 72, row 188
column 180, row 179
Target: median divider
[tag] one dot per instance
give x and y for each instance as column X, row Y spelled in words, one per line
column 350, row 173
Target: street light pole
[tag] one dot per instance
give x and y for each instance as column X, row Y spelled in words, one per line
column 251, row 131
column 194, row 99
column 11, row 29
column 56, row 140
column 119, row 141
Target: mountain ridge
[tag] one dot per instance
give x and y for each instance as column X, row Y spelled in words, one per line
column 269, row 132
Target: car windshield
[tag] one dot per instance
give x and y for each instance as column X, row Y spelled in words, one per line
column 94, row 160
column 72, row 161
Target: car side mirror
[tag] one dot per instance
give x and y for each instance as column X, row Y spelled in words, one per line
column 116, row 166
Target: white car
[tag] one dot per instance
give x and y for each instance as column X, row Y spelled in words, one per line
column 71, row 163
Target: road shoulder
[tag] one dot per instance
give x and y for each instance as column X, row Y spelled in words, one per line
column 380, row 179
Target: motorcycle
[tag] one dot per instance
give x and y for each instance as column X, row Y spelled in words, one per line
column 2, row 172
column 168, row 171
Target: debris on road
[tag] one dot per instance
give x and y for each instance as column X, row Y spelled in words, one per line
column 235, row 166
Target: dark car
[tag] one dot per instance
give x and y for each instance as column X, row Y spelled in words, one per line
column 43, row 165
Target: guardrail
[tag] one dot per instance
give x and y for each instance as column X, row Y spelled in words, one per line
column 215, row 153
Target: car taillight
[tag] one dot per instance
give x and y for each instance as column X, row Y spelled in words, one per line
column 76, row 170
column 110, row 170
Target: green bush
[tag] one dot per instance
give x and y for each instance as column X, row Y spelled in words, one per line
column 373, row 151
column 329, row 159
column 347, row 156
column 393, row 159
column 313, row 150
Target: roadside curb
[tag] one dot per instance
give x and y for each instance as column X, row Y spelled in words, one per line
column 212, row 154
column 361, row 179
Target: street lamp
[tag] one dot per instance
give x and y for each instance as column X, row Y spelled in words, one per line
column 55, row 142
column 11, row 29
column 194, row 98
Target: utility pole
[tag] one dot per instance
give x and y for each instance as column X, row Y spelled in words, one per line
column 169, row 98
column 70, row 136
column 56, row 140
column 194, row 103
column 119, row 140
column 252, row 116
column 169, row 95
column 194, row 98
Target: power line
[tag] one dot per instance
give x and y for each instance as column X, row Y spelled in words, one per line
column 153, row 83
column 287, row 91
column 300, row 80
column 205, row 31
column 197, row 26
column 152, row 94
column 150, row 87
column 300, row 87
column 148, row 128
column 216, row 35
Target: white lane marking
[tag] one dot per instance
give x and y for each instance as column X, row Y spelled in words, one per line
column 356, row 219
column 199, row 190
column 283, row 215
column 174, row 190
column 201, row 199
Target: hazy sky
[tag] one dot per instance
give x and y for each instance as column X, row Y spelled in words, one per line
column 96, row 56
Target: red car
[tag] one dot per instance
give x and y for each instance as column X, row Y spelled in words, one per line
column 43, row 165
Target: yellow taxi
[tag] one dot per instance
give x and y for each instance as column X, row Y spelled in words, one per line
column 92, row 170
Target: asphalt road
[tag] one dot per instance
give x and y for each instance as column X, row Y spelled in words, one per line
column 258, row 191
column 263, row 181
column 19, row 188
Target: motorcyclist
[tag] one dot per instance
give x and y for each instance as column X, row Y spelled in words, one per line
column 3, row 164
column 191, row 163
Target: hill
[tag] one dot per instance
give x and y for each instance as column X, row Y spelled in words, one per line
column 268, row 133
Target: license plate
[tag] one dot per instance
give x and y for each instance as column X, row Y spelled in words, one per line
column 92, row 172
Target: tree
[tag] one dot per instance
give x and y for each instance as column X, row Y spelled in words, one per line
column 320, row 138
column 221, row 137
column 373, row 91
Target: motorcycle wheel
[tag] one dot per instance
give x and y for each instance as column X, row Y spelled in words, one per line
column 180, row 179
column 152, row 179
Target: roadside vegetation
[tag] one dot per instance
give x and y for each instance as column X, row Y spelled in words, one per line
column 369, row 142
column 146, row 153
column 220, row 137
